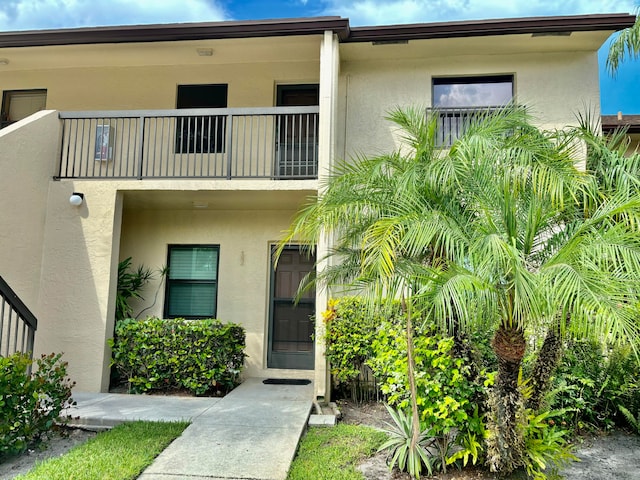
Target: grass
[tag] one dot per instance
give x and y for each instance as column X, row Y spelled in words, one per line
column 118, row 454
column 332, row 453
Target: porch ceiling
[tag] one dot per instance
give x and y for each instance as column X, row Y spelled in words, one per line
column 223, row 51
column 215, row 200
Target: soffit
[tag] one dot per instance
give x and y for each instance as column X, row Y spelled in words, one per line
column 215, row 200
column 490, row 45
column 224, row 51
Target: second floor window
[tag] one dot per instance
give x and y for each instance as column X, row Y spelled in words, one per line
column 206, row 133
column 19, row 104
column 458, row 99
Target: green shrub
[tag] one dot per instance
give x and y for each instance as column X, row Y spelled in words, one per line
column 202, row 356
column 408, row 457
column 350, row 331
column 592, row 382
column 447, row 396
column 130, row 284
column 545, row 444
column 30, row 403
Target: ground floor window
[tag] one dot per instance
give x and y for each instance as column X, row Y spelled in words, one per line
column 192, row 281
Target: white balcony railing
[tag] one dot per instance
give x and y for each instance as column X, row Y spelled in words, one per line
column 275, row 143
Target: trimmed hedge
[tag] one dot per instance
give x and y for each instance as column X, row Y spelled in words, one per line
column 202, row 356
column 30, row 403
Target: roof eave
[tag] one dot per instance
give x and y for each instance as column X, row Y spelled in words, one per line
column 176, row 32
column 514, row 26
column 315, row 26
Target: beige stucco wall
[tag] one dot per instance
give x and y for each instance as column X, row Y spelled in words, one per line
column 82, row 247
column 554, row 85
column 155, row 87
column 67, row 257
column 77, row 290
column 28, row 157
column 244, row 238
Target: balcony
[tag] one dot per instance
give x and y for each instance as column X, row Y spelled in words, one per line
column 452, row 123
column 278, row 143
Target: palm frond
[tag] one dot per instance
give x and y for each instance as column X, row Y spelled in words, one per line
column 626, row 44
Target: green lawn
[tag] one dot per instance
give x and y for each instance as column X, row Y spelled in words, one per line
column 331, row 453
column 118, row 454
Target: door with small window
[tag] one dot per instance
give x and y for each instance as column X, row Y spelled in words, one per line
column 202, row 133
column 291, row 324
column 297, row 134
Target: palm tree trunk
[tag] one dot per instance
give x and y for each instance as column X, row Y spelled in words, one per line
column 506, row 442
column 413, row 390
column 545, row 365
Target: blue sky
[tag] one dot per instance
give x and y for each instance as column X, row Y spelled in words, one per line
column 620, row 93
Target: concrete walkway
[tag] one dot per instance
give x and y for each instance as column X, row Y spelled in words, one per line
column 252, row 433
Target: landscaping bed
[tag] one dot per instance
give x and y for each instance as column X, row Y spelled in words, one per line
column 614, row 455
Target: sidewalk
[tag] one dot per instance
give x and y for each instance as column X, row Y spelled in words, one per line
column 252, row 433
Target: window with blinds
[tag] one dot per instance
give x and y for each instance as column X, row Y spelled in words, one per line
column 192, row 281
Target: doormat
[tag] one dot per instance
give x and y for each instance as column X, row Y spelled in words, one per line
column 285, row 381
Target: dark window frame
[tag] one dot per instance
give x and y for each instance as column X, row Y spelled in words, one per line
column 471, row 80
column 453, row 121
column 169, row 282
column 6, row 103
column 201, row 134
column 297, row 135
column 282, row 88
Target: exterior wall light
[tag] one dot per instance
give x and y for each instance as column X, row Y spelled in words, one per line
column 76, row 199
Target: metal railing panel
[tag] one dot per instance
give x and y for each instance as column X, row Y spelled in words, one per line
column 452, row 123
column 17, row 324
column 278, row 143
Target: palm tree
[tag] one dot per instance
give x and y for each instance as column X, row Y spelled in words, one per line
column 627, row 43
column 491, row 232
column 615, row 172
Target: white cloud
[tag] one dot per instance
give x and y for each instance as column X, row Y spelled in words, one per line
column 472, row 94
column 36, row 14
column 378, row 12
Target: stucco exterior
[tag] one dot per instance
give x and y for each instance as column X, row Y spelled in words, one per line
column 62, row 260
column 27, row 163
column 245, row 238
column 555, row 86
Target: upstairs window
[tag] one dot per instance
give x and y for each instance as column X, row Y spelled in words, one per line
column 19, row 104
column 192, row 281
column 202, row 133
column 458, row 99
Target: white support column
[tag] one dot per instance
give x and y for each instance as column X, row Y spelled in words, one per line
column 329, row 66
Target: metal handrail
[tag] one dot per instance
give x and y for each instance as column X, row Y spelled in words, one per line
column 187, row 112
column 453, row 122
column 12, row 338
column 264, row 142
